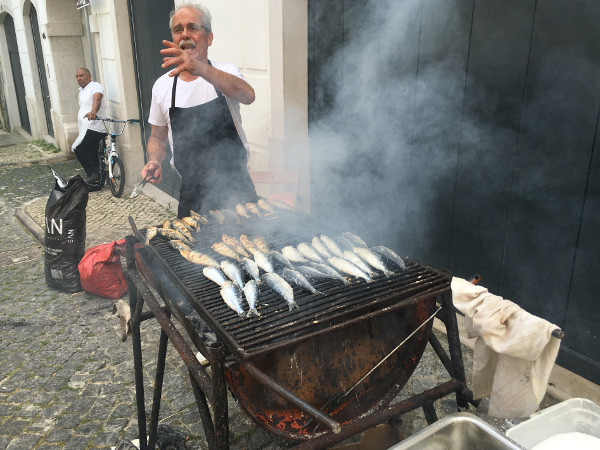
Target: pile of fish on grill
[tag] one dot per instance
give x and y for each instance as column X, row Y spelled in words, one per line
column 324, row 258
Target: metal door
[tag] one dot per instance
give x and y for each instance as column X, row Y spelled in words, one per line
column 15, row 66
column 39, row 57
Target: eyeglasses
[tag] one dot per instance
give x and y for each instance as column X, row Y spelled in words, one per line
column 191, row 28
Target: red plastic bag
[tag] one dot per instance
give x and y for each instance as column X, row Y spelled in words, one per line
column 100, row 270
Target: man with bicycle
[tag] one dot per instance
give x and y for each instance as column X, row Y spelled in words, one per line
column 91, row 131
column 195, row 107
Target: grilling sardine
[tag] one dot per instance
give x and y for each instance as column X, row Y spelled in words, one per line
column 263, row 261
column 225, row 250
column 247, row 243
column 251, row 294
column 343, row 265
column 233, row 272
column 199, row 217
column 215, row 274
column 282, row 287
column 358, row 262
column 265, row 206
column 308, row 252
column 178, row 225
column 243, row 211
column 331, row 245
column 316, row 275
column 318, row 245
column 191, row 223
column 253, row 209
column 389, row 255
column 198, row 258
column 279, row 204
column 331, row 273
column 261, row 244
column 231, row 215
column 178, row 245
column 295, row 277
column 236, row 245
column 151, row 232
column 281, row 260
column 293, row 254
column 217, row 216
column 232, row 295
column 357, row 241
column 373, row 260
column 173, row 234
column 251, row 268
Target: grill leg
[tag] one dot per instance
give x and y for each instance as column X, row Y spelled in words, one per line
column 158, row 384
column 430, row 414
column 204, row 412
column 458, row 368
column 220, row 407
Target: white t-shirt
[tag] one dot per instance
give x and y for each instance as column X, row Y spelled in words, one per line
column 86, row 101
column 188, row 94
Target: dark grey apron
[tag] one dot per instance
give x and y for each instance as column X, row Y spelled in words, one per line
column 210, row 157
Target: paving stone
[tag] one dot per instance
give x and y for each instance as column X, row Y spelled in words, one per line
column 24, row 441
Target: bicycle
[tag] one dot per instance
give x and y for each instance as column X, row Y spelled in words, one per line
column 110, row 163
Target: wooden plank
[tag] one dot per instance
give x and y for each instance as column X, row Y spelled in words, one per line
column 499, row 51
column 556, row 140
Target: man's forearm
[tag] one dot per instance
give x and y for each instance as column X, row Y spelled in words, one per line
column 156, row 150
column 230, row 85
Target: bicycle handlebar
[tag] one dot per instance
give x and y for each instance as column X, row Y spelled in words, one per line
column 134, row 121
column 115, row 133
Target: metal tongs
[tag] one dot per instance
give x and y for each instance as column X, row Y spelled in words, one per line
column 138, row 189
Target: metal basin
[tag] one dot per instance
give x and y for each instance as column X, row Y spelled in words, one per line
column 461, row 430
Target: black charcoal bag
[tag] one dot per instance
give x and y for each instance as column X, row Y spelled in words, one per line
column 64, row 241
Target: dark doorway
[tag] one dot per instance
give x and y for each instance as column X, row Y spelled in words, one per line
column 149, row 27
column 39, row 57
column 15, row 66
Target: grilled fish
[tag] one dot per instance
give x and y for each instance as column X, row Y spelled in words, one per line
column 345, row 244
column 235, row 244
column 261, row 244
column 173, row 234
column 251, row 294
column 251, row 268
column 358, row 262
column 248, row 244
column 331, row 245
column 389, row 255
column 331, row 273
column 373, row 260
column 215, row 274
column 316, row 275
column 263, row 261
column 151, row 232
column 318, row 245
column 225, row 250
column 167, row 223
column 343, row 265
column 253, row 209
column 178, row 245
column 358, row 242
column 293, row 254
column 265, row 206
column 198, row 258
column 295, row 277
column 282, row 287
column 280, row 259
column 233, row 272
column 279, row 204
column 308, row 252
column 217, row 216
column 191, row 223
column 199, row 217
column 231, row 215
column 232, row 295
column 178, row 225
column 242, row 211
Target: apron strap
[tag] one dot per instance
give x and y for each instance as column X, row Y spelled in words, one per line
column 174, row 90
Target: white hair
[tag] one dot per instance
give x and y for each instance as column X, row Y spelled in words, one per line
column 206, row 17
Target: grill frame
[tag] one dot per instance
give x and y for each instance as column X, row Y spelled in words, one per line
column 140, row 276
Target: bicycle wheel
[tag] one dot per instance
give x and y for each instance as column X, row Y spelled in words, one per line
column 117, row 182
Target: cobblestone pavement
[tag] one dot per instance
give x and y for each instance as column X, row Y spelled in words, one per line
column 66, row 380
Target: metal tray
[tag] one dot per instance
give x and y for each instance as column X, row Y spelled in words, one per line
column 460, row 430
